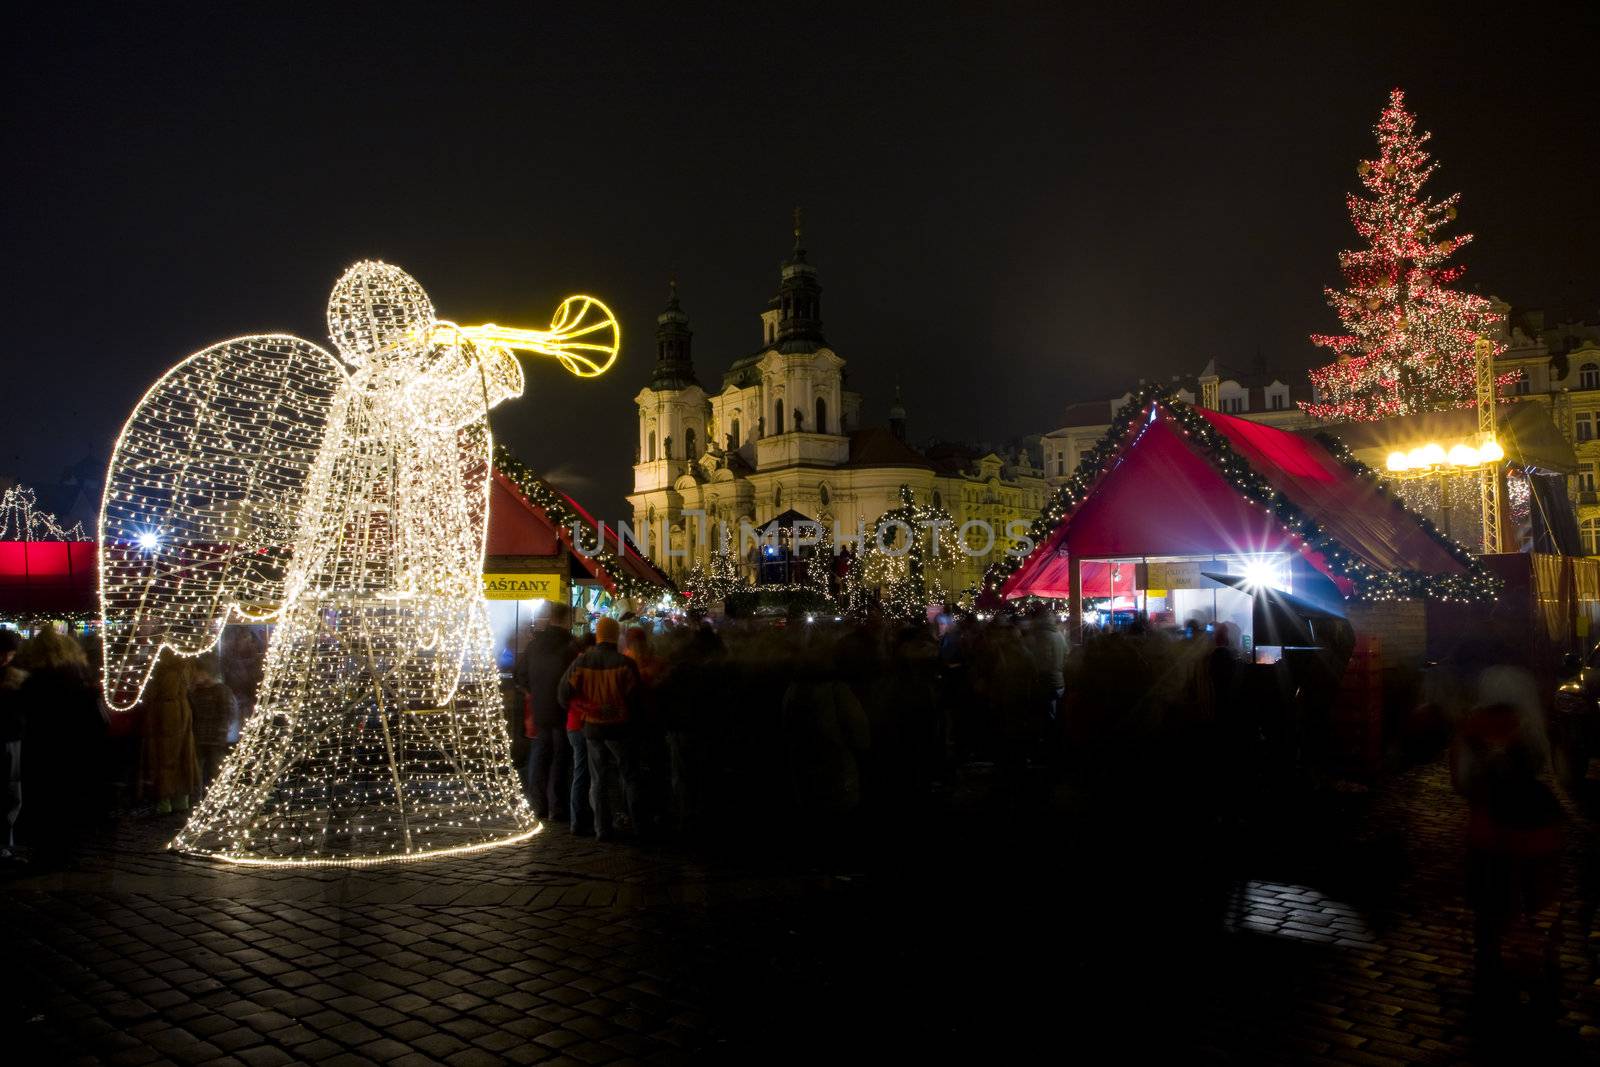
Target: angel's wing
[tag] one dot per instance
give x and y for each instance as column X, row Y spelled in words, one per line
column 202, row 498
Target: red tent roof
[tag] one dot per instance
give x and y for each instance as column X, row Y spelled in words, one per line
column 517, row 526
column 1161, row 494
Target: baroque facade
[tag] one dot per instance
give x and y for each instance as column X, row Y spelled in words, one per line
column 780, row 437
column 1558, row 365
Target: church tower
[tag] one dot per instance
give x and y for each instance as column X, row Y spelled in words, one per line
column 672, row 407
column 799, row 301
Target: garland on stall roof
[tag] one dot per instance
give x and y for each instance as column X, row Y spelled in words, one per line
column 1369, row 582
column 1341, row 452
column 555, row 507
column 1066, row 499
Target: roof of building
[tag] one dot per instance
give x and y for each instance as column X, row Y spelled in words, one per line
column 875, row 446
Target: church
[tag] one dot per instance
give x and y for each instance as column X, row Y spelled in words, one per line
column 780, row 437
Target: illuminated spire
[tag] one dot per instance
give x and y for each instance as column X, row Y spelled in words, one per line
column 674, row 354
column 799, row 299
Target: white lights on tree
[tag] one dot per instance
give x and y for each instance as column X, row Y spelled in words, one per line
column 261, row 478
column 20, row 520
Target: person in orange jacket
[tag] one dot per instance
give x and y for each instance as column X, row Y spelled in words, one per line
column 599, row 691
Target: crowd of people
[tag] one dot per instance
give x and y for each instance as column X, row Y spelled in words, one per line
column 835, row 733
column 688, row 729
column 68, row 759
column 698, row 729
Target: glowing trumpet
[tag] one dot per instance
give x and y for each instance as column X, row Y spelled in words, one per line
column 583, row 335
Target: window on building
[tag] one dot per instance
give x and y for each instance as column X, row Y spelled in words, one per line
column 1589, row 376
column 733, row 434
column 822, row 416
column 1589, row 532
column 1583, row 425
column 1523, row 385
column 1061, row 463
column 938, row 501
column 777, row 417
column 777, row 497
column 688, row 443
column 1277, row 401
column 1586, row 478
column 652, row 449
column 823, row 494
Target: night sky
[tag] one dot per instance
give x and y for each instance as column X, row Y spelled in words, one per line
column 1008, row 213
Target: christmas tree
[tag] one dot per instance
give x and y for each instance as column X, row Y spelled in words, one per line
column 1409, row 341
column 907, row 548
column 710, row 585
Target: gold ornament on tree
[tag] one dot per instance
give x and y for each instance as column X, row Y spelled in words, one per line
column 345, row 499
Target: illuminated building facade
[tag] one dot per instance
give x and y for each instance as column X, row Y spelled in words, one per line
column 781, row 433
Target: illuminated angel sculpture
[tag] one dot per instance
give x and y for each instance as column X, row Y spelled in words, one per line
column 263, row 479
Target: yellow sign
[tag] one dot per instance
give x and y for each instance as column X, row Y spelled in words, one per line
column 1174, row 574
column 523, row 587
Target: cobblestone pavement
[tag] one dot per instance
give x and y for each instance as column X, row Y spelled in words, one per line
column 1341, row 937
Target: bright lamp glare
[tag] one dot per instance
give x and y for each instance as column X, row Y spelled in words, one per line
column 1260, row 574
column 149, row 541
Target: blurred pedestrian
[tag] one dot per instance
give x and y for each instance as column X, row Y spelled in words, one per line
column 600, row 687
column 169, row 767
column 825, row 734
column 65, row 736
column 548, row 655
column 699, row 670
column 1500, row 761
column 647, row 736
column 243, row 664
column 1049, row 649
column 12, row 722
column 215, row 711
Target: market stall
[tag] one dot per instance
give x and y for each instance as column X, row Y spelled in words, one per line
column 48, row 573
column 1176, row 499
column 532, row 561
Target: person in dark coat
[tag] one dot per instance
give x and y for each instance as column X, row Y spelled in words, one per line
column 549, row 754
column 11, row 731
column 64, row 746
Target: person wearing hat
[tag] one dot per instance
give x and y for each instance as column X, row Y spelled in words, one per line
column 600, row 689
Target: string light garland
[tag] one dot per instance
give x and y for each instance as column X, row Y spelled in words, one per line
column 1368, row 583
column 21, row 520
column 1408, row 345
column 262, row 479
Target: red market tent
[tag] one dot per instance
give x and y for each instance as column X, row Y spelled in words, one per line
column 49, row 579
column 1173, row 480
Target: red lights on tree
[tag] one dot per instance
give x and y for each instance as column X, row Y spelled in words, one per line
column 1409, row 341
